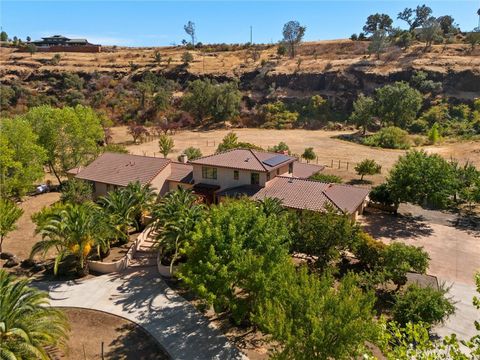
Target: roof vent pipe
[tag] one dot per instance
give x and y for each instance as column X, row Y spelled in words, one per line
column 183, row 158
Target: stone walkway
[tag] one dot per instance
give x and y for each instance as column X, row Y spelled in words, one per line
column 142, row 297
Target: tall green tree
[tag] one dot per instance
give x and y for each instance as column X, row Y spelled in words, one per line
column 21, row 159
column 69, row 135
column 310, row 318
column 233, row 255
column 363, row 112
column 398, row 104
column 324, row 236
column 377, row 22
column 293, row 34
column 29, row 328
column 424, row 179
column 415, row 17
column 9, row 214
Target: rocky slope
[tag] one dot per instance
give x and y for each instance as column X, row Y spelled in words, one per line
column 336, row 69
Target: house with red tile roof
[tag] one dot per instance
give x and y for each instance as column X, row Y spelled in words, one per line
column 233, row 173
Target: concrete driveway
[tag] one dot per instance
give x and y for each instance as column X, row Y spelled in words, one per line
column 454, row 248
column 141, row 296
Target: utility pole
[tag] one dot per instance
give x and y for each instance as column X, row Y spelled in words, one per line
column 251, row 34
column 478, row 13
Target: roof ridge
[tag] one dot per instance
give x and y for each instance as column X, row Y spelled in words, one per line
column 160, row 170
column 214, row 154
column 303, row 179
column 261, row 162
column 128, row 154
column 331, row 200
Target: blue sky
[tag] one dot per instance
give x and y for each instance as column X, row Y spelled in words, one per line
column 156, row 23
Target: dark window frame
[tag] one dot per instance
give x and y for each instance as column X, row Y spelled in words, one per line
column 209, row 172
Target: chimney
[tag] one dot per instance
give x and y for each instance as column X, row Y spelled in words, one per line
column 184, row 158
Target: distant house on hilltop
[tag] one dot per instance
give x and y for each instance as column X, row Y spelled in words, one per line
column 62, row 43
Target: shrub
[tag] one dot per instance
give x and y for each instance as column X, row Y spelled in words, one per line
column 76, row 191
column 192, row 153
column 368, row 250
column 187, row 58
column 427, row 305
column 390, row 138
column 419, row 126
column 276, row 116
column 434, row 134
column 280, row 148
column 326, row 178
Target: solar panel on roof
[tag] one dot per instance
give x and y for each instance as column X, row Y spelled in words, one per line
column 276, row 160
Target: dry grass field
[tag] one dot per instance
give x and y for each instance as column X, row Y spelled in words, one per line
column 326, row 146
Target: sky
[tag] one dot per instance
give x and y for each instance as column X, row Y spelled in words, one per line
column 160, row 23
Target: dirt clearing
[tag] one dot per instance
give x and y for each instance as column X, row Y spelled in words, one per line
column 19, row 242
column 336, row 154
column 121, row 338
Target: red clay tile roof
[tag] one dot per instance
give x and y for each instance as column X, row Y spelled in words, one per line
column 122, row 169
column 312, row 195
column 304, row 171
column 243, row 159
column 346, row 197
column 181, row 173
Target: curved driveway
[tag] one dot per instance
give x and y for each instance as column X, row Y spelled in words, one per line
column 141, row 296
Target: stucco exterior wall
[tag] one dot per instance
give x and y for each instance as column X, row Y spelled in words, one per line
column 173, row 185
column 99, row 189
column 160, row 183
column 225, row 177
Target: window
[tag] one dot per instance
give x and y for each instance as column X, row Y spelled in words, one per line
column 278, row 171
column 235, row 175
column 290, row 168
column 209, row 172
column 255, row 178
column 268, row 176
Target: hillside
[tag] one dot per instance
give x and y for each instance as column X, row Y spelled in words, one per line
column 336, row 69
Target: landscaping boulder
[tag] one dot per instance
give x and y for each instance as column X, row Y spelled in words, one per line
column 6, row 255
column 13, row 261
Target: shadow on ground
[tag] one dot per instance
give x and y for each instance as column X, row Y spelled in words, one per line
column 396, row 226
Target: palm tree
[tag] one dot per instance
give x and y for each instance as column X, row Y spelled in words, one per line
column 120, row 209
column 174, row 220
column 74, row 229
column 272, row 206
column 143, row 197
column 29, row 328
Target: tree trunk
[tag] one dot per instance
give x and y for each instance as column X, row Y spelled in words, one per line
column 52, row 169
column 83, row 271
column 361, row 178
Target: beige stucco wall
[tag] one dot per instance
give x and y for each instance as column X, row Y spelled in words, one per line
column 225, row 177
column 173, row 185
column 160, row 183
column 100, row 189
